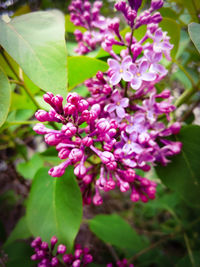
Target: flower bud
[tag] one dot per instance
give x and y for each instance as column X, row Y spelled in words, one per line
column 61, row 249
column 156, row 4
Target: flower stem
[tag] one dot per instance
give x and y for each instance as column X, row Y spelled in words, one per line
column 20, row 81
column 186, row 96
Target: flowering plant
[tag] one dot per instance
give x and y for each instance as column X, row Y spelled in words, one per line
column 99, row 134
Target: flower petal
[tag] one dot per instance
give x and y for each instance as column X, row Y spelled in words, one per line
column 127, row 76
column 126, row 62
column 148, row 76
column 124, row 102
column 115, row 78
column 143, row 66
column 158, row 35
column 110, row 108
column 120, row 112
column 113, row 64
column 136, row 83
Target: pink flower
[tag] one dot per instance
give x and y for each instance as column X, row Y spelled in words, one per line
column 140, row 74
column 120, row 71
column 161, row 44
column 118, row 105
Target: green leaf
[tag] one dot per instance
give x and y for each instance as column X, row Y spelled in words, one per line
column 82, row 68
column 173, row 30
column 55, row 207
column 21, row 231
column 36, row 42
column 186, row 261
column 112, row 229
column 28, row 169
column 182, row 174
column 5, row 92
column 194, row 32
column 191, row 8
column 31, row 86
column 19, row 254
column 168, row 12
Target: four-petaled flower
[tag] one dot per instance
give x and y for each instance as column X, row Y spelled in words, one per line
column 118, row 105
column 161, row 44
column 140, row 74
column 120, row 71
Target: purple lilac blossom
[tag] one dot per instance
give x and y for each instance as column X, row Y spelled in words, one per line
column 123, row 131
column 47, row 256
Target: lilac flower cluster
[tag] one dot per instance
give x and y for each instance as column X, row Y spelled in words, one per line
column 124, row 125
column 50, row 256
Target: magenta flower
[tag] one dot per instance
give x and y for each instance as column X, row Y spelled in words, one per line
column 140, row 74
column 120, row 71
column 131, row 144
column 118, row 105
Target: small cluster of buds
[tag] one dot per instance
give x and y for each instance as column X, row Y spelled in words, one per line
column 48, row 256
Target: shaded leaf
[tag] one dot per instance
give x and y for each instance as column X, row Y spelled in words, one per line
column 182, row 173
column 5, row 92
column 112, row 229
column 55, row 207
column 194, row 32
column 21, row 231
column 19, row 254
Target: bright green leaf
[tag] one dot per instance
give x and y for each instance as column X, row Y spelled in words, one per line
column 36, row 42
column 30, row 85
column 82, row 68
column 194, row 32
column 21, row 231
column 55, row 207
column 5, row 92
column 182, row 174
column 173, row 30
column 28, row 169
column 112, row 229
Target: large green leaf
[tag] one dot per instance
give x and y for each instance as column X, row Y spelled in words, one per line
column 55, row 207
column 82, row 68
column 36, row 42
column 5, row 92
column 112, row 229
column 173, row 29
column 194, row 32
column 183, row 173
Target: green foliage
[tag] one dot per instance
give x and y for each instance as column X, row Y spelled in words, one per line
column 19, row 254
column 28, row 169
column 21, row 231
column 54, row 207
column 182, row 174
column 113, row 230
column 36, row 42
column 82, row 68
column 194, row 32
column 173, row 29
column 5, row 96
